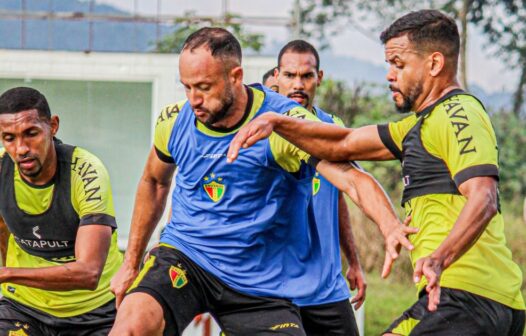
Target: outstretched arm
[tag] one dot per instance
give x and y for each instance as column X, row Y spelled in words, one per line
column 354, row 274
column 91, row 249
column 321, row 140
column 150, row 201
column 370, row 197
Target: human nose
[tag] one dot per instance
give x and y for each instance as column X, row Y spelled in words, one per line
column 21, row 147
column 391, row 75
column 195, row 98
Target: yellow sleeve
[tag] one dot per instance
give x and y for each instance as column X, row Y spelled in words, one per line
column 91, row 189
column 393, row 134
column 286, row 155
column 163, row 130
column 465, row 139
column 337, row 120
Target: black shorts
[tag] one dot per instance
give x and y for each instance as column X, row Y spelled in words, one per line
column 329, row 319
column 15, row 317
column 460, row 313
column 185, row 290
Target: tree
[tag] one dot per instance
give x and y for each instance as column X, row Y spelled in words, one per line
column 320, row 18
column 506, row 31
column 173, row 43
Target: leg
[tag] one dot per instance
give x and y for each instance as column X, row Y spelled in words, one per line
column 329, row 319
column 239, row 314
column 15, row 322
column 166, row 297
column 139, row 314
column 459, row 313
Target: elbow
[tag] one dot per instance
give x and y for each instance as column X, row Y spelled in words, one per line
column 91, row 279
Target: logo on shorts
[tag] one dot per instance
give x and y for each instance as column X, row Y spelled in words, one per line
column 214, row 188
column 21, row 331
column 285, row 326
column 178, row 276
column 316, row 184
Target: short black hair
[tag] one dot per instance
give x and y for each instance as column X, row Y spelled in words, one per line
column 268, row 74
column 22, row 99
column 219, row 41
column 429, row 30
column 302, row 47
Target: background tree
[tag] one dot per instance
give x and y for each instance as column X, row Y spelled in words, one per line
column 173, row 43
column 505, row 27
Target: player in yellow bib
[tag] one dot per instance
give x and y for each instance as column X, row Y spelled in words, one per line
column 467, row 281
column 57, row 225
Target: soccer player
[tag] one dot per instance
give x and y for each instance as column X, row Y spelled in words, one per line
column 226, row 249
column 465, row 276
column 327, row 309
column 57, row 223
column 269, row 80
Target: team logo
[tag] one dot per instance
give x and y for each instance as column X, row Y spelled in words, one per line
column 178, row 276
column 214, row 188
column 21, row 331
column 35, row 232
column 316, row 184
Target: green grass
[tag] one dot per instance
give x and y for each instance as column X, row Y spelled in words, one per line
column 386, row 300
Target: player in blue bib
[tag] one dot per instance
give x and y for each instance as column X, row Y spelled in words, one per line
column 227, row 249
column 327, row 309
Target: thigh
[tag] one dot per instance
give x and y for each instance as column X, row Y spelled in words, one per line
column 458, row 313
column 97, row 322
column 239, row 314
column 174, row 282
column 329, row 319
column 15, row 322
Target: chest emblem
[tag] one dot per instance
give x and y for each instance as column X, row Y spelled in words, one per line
column 316, row 184
column 213, row 187
column 178, row 277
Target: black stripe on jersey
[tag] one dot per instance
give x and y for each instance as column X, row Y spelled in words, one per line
column 385, row 136
column 476, row 171
column 99, row 219
column 163, row 157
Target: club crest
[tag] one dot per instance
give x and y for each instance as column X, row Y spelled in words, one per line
column 316, row 184
column 178, row 277
column 213, row 187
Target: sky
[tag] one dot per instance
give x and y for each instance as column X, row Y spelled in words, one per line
column 483, row 69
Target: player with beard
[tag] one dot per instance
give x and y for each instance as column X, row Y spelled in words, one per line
column 227, row 247
column 269, row 80
column 326, row 310
column 462, row 267
column 58, row 235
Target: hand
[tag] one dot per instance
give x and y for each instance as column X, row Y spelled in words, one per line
column 431, row 268
column 394, row 240
column 258, row 129
column 356, row 279
column 122, row 280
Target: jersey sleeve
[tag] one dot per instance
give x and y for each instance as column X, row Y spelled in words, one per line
column 467, row 141
column 163, row 130
column 393, row 134
column 91, row 190
column 286, row 155
column 337, row 120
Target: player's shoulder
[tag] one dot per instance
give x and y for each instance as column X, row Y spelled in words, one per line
column 328, row 117
column 169, row 113
column 83, row 163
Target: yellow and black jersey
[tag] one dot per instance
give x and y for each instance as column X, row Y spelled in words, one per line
column 43, row 221
column 440, row 148
column 288, row 156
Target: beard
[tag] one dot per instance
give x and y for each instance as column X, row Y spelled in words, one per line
column 224, row 110
column 301, row 94
column 33, row 172
column 408, row 100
